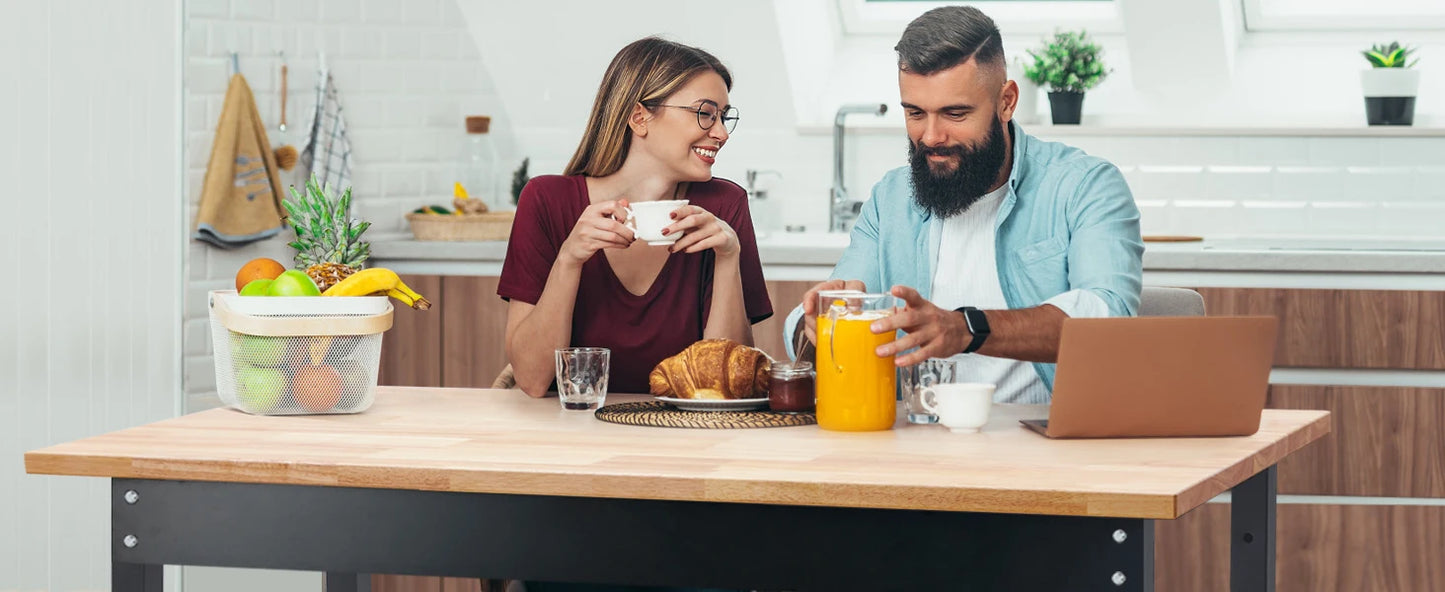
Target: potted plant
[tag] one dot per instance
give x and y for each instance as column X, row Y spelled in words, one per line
column 1068, row 65
column 1390, row 84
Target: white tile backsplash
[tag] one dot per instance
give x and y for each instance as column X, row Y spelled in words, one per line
column 1413, row 151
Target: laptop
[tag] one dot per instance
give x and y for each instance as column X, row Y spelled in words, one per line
column 1160, row 377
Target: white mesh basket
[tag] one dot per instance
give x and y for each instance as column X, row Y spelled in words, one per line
column 297, row 356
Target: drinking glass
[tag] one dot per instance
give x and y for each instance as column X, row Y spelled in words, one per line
column 582, row 376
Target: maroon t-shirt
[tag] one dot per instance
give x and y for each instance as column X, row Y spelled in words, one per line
column 640, row 330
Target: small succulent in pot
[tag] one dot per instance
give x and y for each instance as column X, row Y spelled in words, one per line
column 1390, row 84
column 1390, row 56
column 1068, row 64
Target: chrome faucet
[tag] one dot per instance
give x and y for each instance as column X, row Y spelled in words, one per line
column 842, row 210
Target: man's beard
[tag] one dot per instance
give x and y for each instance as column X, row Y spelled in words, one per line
column 949, row 193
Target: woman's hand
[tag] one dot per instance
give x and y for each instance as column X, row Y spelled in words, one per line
column 597, row 229
column 704, row 231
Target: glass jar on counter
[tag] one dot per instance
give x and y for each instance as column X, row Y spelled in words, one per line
column 477, row 164
column 790, row 387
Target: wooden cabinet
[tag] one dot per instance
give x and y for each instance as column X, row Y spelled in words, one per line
column 411, row 352
column 461, row 341
column 474, row 336
column 1319, row 548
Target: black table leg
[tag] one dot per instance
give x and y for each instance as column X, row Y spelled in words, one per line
column 1252, row 541
column 347, row 582
column 135, row 577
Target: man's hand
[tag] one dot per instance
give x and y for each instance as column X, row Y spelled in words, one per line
column 937, row 333
column 810, row 303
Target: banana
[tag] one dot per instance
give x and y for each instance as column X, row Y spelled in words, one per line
column 408, row 297
column 376, row 281
column 364, row 283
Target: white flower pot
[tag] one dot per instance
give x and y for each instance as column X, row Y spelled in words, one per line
column 1390, row 95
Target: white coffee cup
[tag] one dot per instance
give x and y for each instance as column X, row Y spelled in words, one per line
column 961, row 406
column 648, row 218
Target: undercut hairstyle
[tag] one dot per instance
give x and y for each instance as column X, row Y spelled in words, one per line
column 948, row 36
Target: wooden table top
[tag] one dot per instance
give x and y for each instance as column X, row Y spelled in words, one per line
column 493, row 441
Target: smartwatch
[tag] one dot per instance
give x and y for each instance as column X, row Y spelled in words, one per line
column 977, row 325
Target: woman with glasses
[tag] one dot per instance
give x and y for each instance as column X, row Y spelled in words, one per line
column 576, row 276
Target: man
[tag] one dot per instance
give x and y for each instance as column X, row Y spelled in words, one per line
column 991, row 237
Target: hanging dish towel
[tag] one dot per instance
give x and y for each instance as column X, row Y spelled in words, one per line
column 327, row 155
column 240, row 198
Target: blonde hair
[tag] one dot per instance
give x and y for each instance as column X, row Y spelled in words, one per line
column 646, row 71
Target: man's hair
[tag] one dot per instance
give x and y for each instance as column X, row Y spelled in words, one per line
column 948, row 36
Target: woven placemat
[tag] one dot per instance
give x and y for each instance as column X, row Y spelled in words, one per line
column 662, row 415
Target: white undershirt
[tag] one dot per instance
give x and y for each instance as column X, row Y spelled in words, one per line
column 967, row 275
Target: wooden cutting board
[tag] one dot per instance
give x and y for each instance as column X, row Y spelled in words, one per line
column 1169, row 238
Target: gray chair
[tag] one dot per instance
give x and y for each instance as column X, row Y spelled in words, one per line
column 1170, row 302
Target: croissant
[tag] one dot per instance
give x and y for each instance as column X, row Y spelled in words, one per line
column 712, row 369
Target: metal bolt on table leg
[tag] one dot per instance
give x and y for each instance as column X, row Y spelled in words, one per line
column 1119, row 578
column 1120, row 536
column 130, row 541
column 131, row 497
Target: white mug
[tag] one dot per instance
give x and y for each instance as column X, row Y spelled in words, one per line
column 648, row 218
column 962, row 406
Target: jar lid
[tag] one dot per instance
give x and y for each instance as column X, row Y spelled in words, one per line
column 791, row 369
column 478, row 124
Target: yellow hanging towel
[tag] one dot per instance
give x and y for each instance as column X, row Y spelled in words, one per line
column 241, row 196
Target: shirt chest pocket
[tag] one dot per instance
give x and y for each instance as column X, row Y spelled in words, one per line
column 1045, row 267
column 1044, row 250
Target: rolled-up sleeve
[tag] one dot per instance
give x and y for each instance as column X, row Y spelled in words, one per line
column 1106, row 252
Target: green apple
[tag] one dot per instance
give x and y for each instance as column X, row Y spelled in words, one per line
column 256, row 288
column 257, row 350
column 259, row 390
column 292, row 282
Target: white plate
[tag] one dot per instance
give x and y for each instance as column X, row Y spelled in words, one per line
column 715, row 404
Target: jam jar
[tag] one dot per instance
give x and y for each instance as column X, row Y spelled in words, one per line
column 790, row 388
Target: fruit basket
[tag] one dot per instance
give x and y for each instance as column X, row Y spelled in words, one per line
column 488, row 226
column 297, row 356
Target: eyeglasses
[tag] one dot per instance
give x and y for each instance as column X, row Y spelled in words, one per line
column 708, row 114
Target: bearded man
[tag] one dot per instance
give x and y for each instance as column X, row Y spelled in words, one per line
column 990, row 236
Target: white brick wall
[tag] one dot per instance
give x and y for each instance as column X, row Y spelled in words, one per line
column 408, row 73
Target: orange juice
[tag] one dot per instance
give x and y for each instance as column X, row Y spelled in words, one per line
column 855, row 386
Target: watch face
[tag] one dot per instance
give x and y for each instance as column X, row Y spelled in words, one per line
column 977, row 322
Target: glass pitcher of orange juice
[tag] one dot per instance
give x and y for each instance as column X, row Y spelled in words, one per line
column 855, row 386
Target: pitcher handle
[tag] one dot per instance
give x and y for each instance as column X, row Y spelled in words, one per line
column 832, row 335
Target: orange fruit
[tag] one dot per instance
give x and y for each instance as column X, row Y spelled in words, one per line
column 317, row 387
column 258, row 269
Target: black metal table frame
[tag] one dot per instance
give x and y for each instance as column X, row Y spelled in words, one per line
column 352, row 532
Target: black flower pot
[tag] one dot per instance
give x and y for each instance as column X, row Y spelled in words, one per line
column 1390, row 110
column 1066, row 107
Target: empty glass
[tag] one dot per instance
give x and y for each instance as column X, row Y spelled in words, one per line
column 582, row 376
column 915, row 378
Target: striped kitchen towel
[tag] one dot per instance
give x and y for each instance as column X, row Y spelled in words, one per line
column 327, row 155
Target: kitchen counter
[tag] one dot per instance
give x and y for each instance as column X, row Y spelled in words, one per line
column 404, row 487
column 786, row 251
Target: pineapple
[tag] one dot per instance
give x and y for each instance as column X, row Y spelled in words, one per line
column 328, row 241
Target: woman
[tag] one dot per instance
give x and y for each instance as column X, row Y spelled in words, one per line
column 575, row 275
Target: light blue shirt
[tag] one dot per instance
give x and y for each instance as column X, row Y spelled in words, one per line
column 1068, row 222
